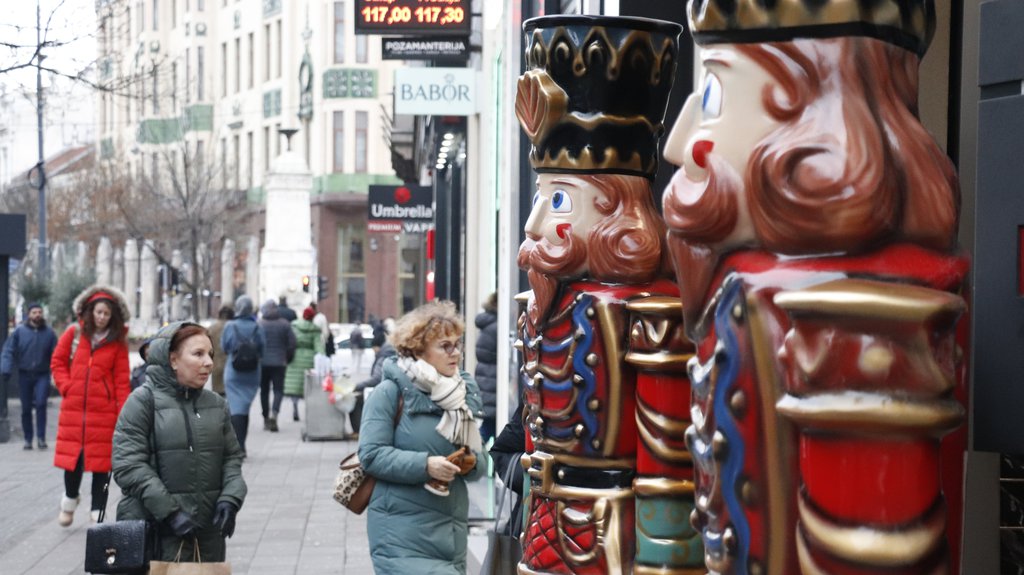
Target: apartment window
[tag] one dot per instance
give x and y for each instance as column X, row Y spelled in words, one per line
column 238, row 65
column 362, row 119
column 200, row 74
column 174, row 87
column 224, row 67
column 103, row 113
column 266, row 148
column 223, row 162
column 266, row 52
column 277, row 139
column 156, row 15
column 200, row 5
column 156, row 91
column 188, row 76
column 252, row 58
column 339, row 32
column 249, row 157
column 361, row 49
column 339, row 141
column 237, row 161
column 200, row 162
column 280, row 48
column 174, row 14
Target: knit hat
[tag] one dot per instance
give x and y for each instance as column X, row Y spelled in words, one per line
column 308, row 314
column 33, row 306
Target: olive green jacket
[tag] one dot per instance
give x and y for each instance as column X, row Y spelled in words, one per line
column 175, row 449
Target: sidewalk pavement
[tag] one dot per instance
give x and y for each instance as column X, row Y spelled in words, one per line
column 289, row 524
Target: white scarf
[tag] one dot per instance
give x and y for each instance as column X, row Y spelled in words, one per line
column 457, row 423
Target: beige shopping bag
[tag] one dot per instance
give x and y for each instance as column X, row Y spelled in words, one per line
column 196, row 567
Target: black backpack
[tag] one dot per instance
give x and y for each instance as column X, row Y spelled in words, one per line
column 247, row 356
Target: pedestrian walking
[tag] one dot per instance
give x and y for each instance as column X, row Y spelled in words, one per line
column 385, row 351
column 224, row 315
column 90, row 368
column 486, row 372
column 28, row 351
column 176, row 458
column 320, row 320
column 286, row 312
column 416, row 523
column 243, row 341
column 309, row 341
column 356, row 343
column 278, row 353
column 139, row 372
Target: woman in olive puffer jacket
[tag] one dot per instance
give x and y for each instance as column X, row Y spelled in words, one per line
column 176, row 457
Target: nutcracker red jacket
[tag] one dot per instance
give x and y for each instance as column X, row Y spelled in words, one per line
column 94, row 385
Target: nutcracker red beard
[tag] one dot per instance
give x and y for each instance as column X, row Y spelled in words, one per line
column 627, row 246
column 817, row 185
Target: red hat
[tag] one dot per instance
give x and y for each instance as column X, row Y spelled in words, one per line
column 308, row 314
column 98, row 296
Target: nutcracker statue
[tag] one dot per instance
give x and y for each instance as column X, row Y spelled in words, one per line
column 604, row 352
column 812, row 224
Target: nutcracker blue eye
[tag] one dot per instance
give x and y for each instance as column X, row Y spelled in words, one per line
column 711, row 103
column 561, row 202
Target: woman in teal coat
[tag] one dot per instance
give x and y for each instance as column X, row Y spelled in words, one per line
column 417, row 518
column 309, row 341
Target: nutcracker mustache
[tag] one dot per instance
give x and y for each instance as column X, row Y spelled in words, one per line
column 700, row 217
column 546, row 265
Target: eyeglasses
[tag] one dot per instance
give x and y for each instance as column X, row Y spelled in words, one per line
column 451, row 348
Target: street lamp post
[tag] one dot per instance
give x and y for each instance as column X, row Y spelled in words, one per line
column 41, row 166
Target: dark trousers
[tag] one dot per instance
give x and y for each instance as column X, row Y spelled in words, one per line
column 73, row 482
column 271, row 375
column 34, row 388
column 241, row 425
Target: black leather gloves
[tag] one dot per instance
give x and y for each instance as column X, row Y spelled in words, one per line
column 224, row 518
column 182, row 524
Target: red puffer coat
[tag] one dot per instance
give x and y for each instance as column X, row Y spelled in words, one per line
column 94, row 385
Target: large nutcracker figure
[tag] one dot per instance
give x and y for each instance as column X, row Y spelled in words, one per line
column 604, row 353
column 812, row 224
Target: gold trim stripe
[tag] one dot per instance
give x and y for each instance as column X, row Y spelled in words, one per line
column 662, row 305
column 875, row 547
column 659, row 486
column 658, row 360
column 872, row 413
column 873, row 300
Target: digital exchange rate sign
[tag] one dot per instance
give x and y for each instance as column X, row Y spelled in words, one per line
column 400, row 17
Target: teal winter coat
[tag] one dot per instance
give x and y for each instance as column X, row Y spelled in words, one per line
column 175, row 449
column 411, row 530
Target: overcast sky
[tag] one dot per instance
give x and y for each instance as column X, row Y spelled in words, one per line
column 69, row 117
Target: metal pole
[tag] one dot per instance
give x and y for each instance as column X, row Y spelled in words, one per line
column 41, row 166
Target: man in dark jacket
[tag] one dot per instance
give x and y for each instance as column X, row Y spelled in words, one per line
column 486, row 373
column 376, row 374
column 286, row 312
column 276, row 356
column 29, row 350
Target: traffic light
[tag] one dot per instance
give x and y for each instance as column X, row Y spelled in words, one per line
column 305, row 284
column 321, row 287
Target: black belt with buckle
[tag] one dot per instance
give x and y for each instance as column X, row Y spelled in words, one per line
column 591, row 478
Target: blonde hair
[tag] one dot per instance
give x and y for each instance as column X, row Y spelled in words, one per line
column 424, row 325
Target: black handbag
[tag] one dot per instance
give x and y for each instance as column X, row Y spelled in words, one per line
column 121, row 547
column 503, row 550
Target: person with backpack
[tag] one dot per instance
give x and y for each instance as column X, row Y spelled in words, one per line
column 243, row 341
column 279, row 352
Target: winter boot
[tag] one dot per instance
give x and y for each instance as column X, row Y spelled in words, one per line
column 272, row 423
column 67, row 510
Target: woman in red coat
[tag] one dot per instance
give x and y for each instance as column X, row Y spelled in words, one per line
column 90, row 370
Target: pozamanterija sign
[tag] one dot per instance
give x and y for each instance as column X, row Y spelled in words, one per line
column 400, row 208
column 454, row 48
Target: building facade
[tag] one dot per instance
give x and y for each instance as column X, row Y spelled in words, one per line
column 211, row 83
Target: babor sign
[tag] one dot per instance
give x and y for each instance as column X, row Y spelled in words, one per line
column 435, row 91
column 400, row 208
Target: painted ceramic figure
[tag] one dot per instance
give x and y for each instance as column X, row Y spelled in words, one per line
column 812, row 223
column 604, row 354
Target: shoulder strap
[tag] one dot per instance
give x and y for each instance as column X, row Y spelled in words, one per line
column 74, row 342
